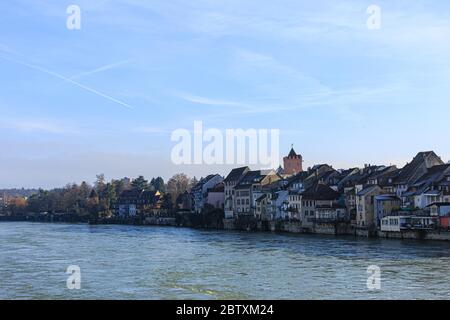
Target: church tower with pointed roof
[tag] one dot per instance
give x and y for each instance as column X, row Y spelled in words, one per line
column 293, row 163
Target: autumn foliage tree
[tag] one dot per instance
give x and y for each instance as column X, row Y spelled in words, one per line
column 17, row 206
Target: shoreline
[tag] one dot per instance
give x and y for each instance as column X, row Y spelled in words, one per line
column 415, row 235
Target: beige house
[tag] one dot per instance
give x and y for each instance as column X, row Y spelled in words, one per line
column 319, row 197
column 230, row 183
column 295, row 204
column 264, row 208
column 365, row 206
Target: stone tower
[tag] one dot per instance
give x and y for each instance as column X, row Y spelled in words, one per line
column 293, row 163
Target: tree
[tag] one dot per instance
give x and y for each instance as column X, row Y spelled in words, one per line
column 119, row 186
column 100, row 183
column 83, row 192
column 139, row 184
column 192, row 183
column 93, row 204
column 70, row 199
column 178, row 184
column 158, row 184
column 167, row 203
column 151, row 186
column 111, row 195
column 17, row 206
column 39, row 202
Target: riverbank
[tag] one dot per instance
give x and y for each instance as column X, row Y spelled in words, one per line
column 336, row 229
column 50, row 218
column 246, row 224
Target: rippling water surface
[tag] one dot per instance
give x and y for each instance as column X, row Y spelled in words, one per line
column 127, row 262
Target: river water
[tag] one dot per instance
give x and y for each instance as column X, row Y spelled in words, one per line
column 128, row 262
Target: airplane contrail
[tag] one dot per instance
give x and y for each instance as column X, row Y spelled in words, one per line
column 99, row 69
column 54, row 74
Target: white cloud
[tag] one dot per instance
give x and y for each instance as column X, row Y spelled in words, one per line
column 45, row 126
column 212, row 102
column 150, row 130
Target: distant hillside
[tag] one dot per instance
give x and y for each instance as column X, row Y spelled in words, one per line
column 18, row 192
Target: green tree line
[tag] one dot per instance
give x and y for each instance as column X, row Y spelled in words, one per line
column 98, row 199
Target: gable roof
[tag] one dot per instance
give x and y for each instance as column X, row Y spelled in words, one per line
column 299, row 177
column 236, row 174
column 219, row 187
column 349, row 178
column 411, row 172
column 432, row 177
column 320, row 191
column 316, row 174
column 368, row 189
column 252, row 177
column 204, row 180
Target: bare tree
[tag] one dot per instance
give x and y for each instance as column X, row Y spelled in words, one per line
column 178, row 184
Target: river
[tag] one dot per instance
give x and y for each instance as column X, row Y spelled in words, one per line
column 128, row 262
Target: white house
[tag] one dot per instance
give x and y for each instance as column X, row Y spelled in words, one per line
column 395, row 223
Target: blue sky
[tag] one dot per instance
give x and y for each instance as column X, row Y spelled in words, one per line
column 104, row 99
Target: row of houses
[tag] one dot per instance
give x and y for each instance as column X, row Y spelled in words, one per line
column 386, row 198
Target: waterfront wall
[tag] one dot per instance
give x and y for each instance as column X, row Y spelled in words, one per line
column 247, row 223
column 152, row 221
column 228, row 224
column 288, row 226
column 281, row 226
column 416, row 235
column 318, row 228
column 361, row 232
column 48, row 218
